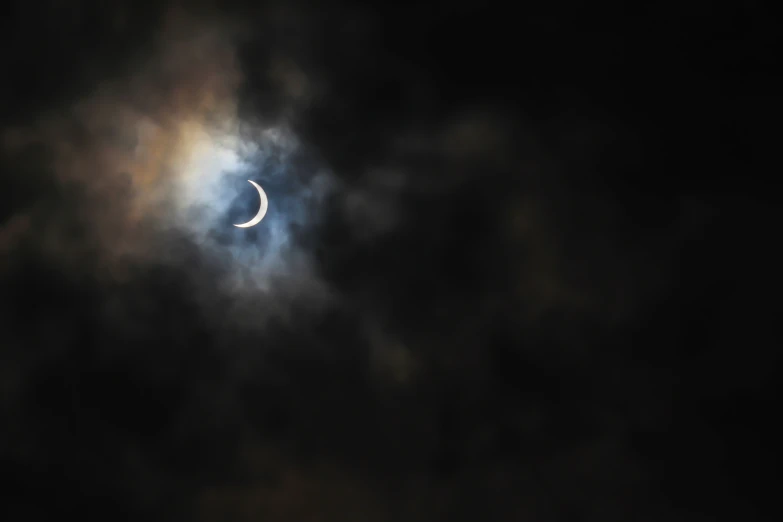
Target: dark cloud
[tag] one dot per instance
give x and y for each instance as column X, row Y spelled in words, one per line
column 515, row 266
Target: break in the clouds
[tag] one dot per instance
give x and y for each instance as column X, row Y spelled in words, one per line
column 161, row 148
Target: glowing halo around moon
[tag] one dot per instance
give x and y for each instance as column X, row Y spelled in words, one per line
column 261, row 211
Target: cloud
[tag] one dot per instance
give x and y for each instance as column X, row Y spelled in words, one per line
column 452, row 310
column 158, row 151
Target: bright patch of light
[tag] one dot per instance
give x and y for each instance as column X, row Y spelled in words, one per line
column 205, row 191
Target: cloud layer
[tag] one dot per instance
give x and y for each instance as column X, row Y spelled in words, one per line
column 474, row 296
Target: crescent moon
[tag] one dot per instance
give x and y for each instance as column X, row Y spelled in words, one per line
column 261, row 211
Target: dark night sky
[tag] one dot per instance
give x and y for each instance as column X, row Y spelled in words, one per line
column 519, row 263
